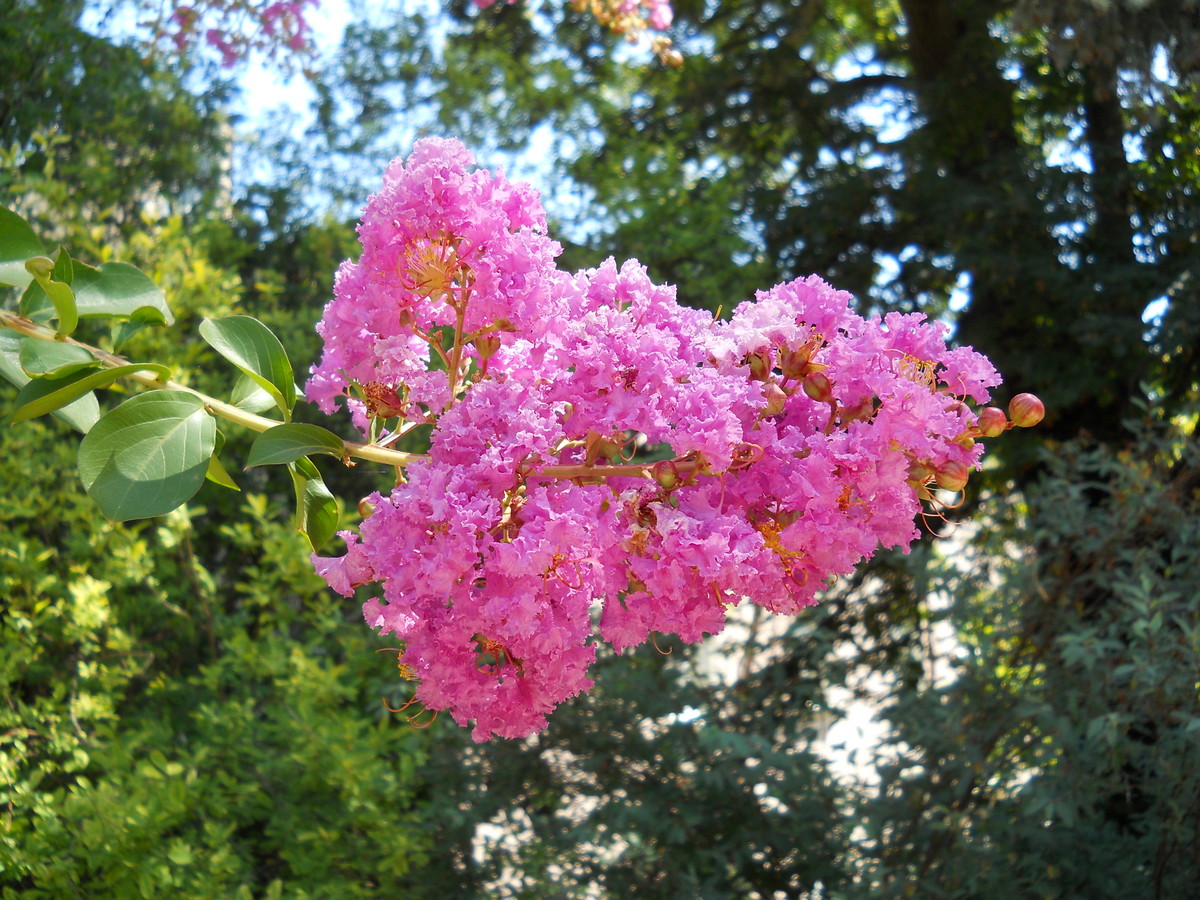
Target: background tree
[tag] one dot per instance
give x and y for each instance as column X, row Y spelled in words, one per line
column 187, row 711
column 1027, row 171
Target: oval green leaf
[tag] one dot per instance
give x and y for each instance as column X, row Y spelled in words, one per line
column 287, row 443
column 80, row 414
column 118, row 290
column 43, row 395
column 253, row 348
column 17, row 244
column 40, row 357
column 249, row 396
column 149, row 455
column 316, row 510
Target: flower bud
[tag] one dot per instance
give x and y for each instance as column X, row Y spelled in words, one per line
column 861, row 410
column 382, row 401
column 487, row 345
column 819, row 387
column 776, row 399
column 597, row 446
column 666, row 473
column 365, row 509
column 1026, row 410
column 952, row 476
column 919, row 473
column 793, row 362
column 760, row 365
column 992, row 422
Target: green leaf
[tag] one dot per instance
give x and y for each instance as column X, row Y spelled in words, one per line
column 181, row 854
column 316, row 510
column 216, row 471
column 17, row 244
column 10, row 358
column 217, row 474
column 249, row 396
column 128, row 327
column 287, row 443
column 35, row 305
column 43, row 395
column 254, row 349
column 60, row 294
column 64, row 269
column 118, row 290
column 149, row 455
column 40, row 357
column 81, row 414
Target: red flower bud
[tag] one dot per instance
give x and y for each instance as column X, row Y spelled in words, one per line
column 819, row 387
column 992, row 422
column 1026, row 410
column 952, row 476
column 666, row 473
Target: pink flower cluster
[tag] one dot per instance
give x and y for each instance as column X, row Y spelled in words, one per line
column 235, row 28
column 601, row 456
column 631, row 18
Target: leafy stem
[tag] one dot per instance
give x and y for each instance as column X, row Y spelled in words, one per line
column 216, row 407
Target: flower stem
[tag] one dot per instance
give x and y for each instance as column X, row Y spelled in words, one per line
column 370, row 452
column 219, row 408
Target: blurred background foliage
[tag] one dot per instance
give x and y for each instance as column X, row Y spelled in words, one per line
column 187, row 711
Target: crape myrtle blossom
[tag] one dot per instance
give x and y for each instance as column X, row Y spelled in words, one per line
column 235, row 28
column 633, row 19
column 597, row 446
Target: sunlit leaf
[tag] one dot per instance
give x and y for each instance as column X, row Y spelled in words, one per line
column 257, row 352
column 17, row 244
column 287, row 443
column 40, row 357
column 249, row 396
column 149, row 455
column 116, row 290
column 44, row 271
column 43, row 395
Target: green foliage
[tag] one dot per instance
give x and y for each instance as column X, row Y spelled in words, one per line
column 153, row 453
column 257, row 353
column 189, row 728
column 188, row 710
column 660, row 782
column 287, row 443
column 149, row 455
column 79, row 113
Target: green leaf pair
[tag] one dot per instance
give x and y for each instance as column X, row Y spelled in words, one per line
column 257, row 353
column 57, row 286
column 80, row 414
column 153, row 452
